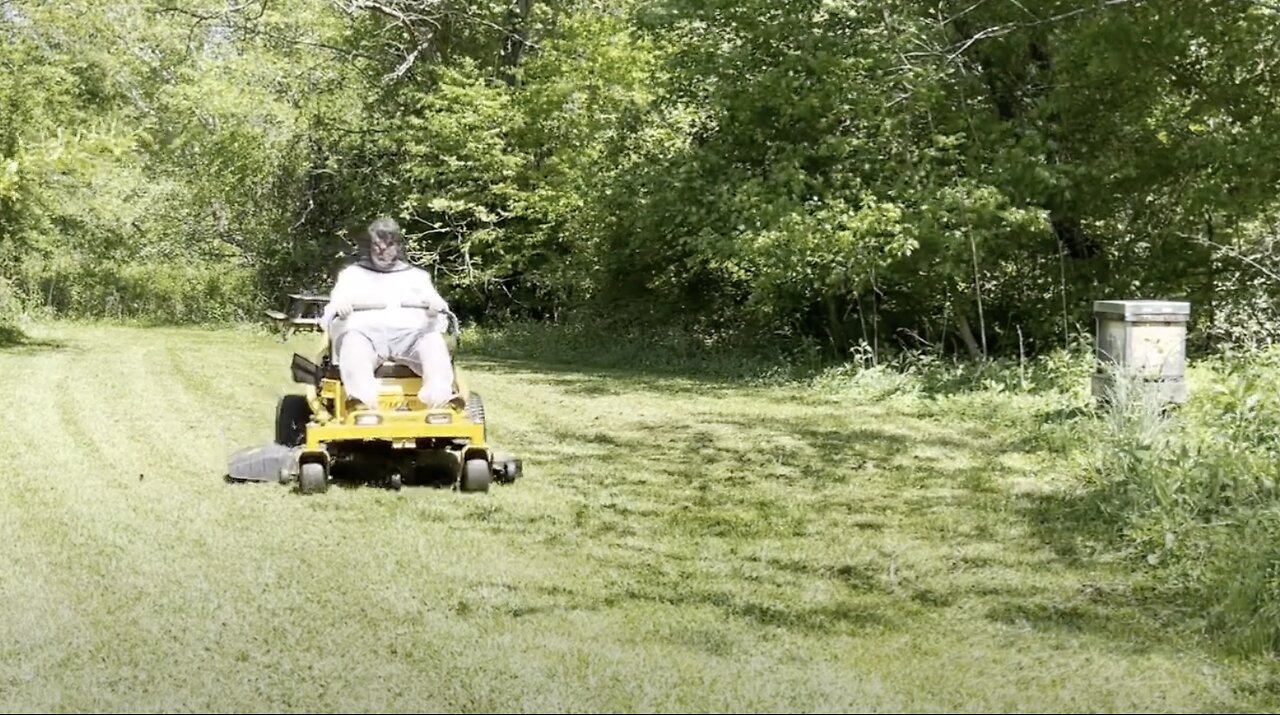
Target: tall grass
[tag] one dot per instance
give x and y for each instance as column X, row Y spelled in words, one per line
column 159, row 292
column 1195, row 491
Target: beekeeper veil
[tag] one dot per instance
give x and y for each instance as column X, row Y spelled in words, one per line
column 382, row 247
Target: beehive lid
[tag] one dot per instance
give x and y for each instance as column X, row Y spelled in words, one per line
column 1143, row 309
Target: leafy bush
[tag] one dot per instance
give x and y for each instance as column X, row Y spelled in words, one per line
column 10, row 302
column 161, row 292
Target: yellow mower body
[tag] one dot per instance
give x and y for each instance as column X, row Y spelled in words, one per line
column 399, row 432
column 400, row 417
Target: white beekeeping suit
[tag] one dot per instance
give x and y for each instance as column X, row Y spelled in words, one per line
column 364, row 339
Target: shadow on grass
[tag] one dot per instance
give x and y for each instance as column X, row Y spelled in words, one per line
column 13, row 340
column 1137, row 603
column 10, row 336
column 610, row 381
column 1079, row 527
column 767, row 488
column 742, row 481
column 626, row 352
column 1126, row 618
column 678, row 512
column 1082, row 530
column 721, row 506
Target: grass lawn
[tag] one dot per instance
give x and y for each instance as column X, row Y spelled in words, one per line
column 675, row 545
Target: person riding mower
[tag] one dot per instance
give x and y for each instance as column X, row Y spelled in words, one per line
column 383, row 387
column 325, row 433
column 394, row 425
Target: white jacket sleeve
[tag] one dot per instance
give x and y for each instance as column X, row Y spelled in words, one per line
column 433, row 296
column 342, row 292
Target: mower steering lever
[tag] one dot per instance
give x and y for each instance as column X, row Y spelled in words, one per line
column 453, row 319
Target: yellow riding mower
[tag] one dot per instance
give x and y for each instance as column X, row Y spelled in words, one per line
column 320, row 437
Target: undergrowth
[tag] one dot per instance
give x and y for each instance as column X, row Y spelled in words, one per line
column 146, row 293
column 1192, row 490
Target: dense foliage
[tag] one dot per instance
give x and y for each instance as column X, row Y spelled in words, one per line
column 964, row 176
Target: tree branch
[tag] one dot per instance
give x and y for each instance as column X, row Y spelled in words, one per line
column 1234, row 253
column 345, row 52
column 960, row 14
column 420, row 26
column 402, row 17
column 1007, row 28
column 1266, row 5
column 404, row 66
column 205, row 17
column 952, row 53
column 421, row 21
column 201, row 16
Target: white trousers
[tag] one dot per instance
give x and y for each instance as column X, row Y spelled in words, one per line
column 361, row 350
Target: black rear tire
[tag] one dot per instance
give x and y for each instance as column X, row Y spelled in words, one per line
column 475, row 412
column 292, row 415
column 475, row 408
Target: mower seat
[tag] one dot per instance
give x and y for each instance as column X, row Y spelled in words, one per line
column 387, row 369
column 390, row 369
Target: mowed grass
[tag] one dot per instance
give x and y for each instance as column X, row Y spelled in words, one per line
column 676, row 545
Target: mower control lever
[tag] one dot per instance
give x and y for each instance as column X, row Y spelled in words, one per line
column 453, row 319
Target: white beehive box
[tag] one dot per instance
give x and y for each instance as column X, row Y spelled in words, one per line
column 1146, row 339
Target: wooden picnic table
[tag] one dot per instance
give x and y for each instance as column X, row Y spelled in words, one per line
column 305, row 310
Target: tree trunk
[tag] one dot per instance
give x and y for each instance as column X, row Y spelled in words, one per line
column 517, row 25
column 835, row 327
column 966, row 334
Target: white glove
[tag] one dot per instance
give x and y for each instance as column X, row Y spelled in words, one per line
column 432, row 302
column 343, row 308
